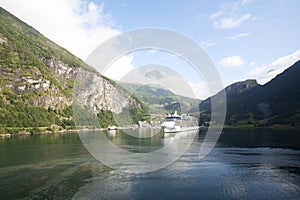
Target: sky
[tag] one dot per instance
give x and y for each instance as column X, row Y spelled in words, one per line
column 245, row 39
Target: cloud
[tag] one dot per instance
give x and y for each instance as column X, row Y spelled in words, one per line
column 79, row 26
column 207, row 43
column 252, row 64
column 246, row 1
column 231, row 22
column 120, row 68
column 216, row 15
column 257, row 70
column 200, row 90
column 238, row 36
column 228, row 15
column 266, row 72
column 231, row 61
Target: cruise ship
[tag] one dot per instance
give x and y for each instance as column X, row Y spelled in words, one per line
column 177, row 123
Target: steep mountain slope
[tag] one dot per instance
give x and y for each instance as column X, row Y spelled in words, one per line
column 37, row 79
column 276, row 102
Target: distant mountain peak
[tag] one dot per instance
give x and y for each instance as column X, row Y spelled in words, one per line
column 241, row 86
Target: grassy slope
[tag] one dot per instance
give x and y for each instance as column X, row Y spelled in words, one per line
column 163, row 101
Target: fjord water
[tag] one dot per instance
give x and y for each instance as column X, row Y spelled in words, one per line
column 245, row 164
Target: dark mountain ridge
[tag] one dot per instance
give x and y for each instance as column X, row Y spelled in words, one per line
column 274, row 103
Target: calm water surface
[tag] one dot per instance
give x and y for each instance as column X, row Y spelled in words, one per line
column 245, row 164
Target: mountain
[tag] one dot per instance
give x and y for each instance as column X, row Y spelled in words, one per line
column 37, row 78
column 163, row 101
column 274, row 103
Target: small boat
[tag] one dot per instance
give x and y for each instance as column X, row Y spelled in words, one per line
column 111, row 128
column 177, row 123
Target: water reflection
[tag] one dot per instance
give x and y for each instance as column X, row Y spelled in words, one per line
column 138, row 141
column 129, row 153
column 260, row 138
column 143, row 132
column 112, row 133
column 246, row 164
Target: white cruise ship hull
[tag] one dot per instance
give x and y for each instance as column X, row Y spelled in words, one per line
column 176, row 129
column 179, row 123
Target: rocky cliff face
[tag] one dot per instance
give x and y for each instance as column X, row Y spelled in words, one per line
column 97, row 93
column 55, row 92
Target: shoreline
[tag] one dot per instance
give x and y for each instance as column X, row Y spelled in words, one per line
column 64, row 131
column 67, row 131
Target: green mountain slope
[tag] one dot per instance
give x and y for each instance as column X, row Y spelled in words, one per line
column 275, row 103
column 37, row 79
column 163, row 101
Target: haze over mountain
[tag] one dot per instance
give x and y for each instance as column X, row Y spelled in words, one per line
column 274, row 103
column 163, row 101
